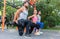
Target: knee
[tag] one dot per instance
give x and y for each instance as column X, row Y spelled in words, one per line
column 42, row 23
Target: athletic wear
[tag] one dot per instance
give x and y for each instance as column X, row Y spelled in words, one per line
column 39, row 18
column 34, row 19
column 22, row 21
column 23, row 15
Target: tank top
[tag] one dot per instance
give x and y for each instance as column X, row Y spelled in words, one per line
column 34, row 19
column 39, row 18
column 23, row 15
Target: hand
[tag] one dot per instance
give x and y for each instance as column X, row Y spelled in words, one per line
column 28, row 18
column 15, row 21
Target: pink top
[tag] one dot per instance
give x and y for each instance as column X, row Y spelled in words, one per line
column 34, row 19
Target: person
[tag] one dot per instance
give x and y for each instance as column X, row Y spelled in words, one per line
column 33, row 23
column 21, row 17
column 41, row 24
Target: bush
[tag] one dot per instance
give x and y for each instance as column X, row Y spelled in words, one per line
column 10, row 13
column 51, row 21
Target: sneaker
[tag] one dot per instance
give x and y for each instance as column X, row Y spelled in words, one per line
column 27, row 36
column 41, row 32
column 37, row 33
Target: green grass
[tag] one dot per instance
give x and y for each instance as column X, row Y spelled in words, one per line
column 54, row 28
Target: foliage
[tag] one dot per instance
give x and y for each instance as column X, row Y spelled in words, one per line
column 48, row 17
column 49, row 8
column 10, row 12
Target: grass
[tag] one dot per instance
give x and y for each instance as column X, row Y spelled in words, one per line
column 54, row 28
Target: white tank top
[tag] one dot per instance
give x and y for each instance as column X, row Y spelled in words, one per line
column 23, row 15
column 39, row 18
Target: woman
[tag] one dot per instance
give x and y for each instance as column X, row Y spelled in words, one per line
column 41, row 24
column 33, row 23
column 21, row 17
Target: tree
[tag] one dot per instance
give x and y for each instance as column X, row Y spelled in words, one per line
column 48, row 17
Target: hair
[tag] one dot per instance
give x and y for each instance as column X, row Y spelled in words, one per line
column 33, row 11
column 38, row 12
column 25, row 2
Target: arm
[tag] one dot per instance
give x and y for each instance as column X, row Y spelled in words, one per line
column 17, row 14
column 30, row 17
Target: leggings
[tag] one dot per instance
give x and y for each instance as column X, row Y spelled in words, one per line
column 21, row 25
column 30, row 26
column 41, row 24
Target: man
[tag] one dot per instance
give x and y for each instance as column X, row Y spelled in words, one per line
column 21, row 17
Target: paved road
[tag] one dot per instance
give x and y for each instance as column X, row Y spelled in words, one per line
column 13, row 34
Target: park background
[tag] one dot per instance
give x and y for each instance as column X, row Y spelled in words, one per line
column 50, row 10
